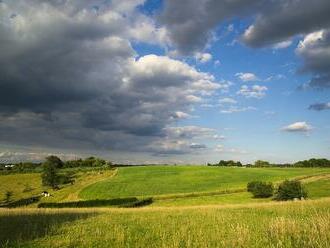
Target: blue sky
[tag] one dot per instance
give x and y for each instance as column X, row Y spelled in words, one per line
column 149, row 93
column 258, row 132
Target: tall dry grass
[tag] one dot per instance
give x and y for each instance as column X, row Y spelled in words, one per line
column 290, row 224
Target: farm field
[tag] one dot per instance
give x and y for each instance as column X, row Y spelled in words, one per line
column 29, row 184
column 319, row 188
column 193, row 206
column 167, row 180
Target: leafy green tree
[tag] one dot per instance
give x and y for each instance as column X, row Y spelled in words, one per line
column 229, row 163
column 49, row 175
column 314, row 162
column 56, row 161
column 261, row 163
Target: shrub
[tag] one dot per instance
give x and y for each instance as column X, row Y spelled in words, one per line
column 289, row 190
column 251, row 185
column 260, row 189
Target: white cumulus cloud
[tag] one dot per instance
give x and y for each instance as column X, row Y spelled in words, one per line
column 255, row 91
column 301, row 126
column 247, row 76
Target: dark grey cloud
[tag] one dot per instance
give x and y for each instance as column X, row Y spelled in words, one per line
column 181, row 140
column 70, row 79
column 319, row 106
column 190, row 25
column 190, row 22
column 314, row 49
column 7, row 156
column 283, row 19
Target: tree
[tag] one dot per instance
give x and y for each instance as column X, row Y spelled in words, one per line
column 56, row 161
column 289, row 190
column 313, row 162
column 49, row 175
column 261, row 163
column 229, row 163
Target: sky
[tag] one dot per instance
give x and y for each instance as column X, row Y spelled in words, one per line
column 151, row 81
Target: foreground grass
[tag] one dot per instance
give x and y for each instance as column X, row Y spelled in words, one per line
column 289, row 224
column 160, row 180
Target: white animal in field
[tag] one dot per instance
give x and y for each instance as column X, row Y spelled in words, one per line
column 45, row 194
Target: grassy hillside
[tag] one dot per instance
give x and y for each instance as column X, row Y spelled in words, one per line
column 168, row 185
column 27, row 185
column 21, row 185
column 160, row 180
column 188, row 210
column 288, row 224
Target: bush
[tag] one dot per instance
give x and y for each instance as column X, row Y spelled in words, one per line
column 260, row 189
column 251, row 185
column 289, row 190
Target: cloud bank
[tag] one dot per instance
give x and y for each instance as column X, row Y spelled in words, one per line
column 70, row 77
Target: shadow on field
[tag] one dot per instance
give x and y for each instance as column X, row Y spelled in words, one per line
column 15, row 228
column 21, row 202
column 130, row 202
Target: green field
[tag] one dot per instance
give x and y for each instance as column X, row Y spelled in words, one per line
column 288, row 224
column 29, row 184
column 193, row 206
column 319, row 188
column 164, row 180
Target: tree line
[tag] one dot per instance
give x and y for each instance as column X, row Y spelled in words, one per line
column 38, row 167
column 313, row 162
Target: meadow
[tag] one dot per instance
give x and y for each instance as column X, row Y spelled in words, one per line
column 193, row 206
column 165, row 180
column 29, row 184
column 284, row 224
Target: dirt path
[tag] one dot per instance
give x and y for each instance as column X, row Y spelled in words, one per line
column 313, row 178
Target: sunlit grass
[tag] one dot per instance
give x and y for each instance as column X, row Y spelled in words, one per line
column 160, row 180
column 233, row 198
column 319, row 188
column 288, row 224
column 27, row 185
